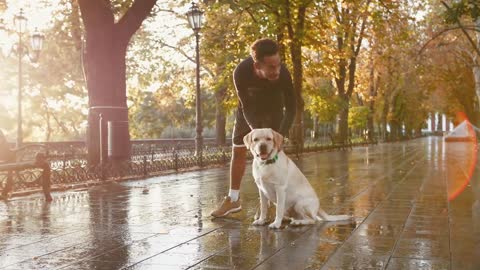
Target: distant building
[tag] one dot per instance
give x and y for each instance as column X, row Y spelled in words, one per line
column 438, row 123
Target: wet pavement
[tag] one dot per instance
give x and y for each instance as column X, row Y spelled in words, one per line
column 416, row 206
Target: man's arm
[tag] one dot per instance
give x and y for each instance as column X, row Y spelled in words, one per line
column 290, row 105
column 245, row 101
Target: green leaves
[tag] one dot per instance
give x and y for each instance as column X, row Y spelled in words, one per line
column 357, row 117
column 161, row 67
column 462, row 8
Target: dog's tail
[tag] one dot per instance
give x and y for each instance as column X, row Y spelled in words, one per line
column 326, row 217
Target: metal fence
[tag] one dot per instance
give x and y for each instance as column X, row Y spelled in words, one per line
column 68, row 160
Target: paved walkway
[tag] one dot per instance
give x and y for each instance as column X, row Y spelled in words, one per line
column 416, row 206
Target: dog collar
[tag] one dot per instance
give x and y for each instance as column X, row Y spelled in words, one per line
column 270, row 161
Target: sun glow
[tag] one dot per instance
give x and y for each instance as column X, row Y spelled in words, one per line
column 8, row 101
column 39, row 16
column 466, row 164
column 168, row 31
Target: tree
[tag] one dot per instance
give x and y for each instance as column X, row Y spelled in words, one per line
column 348, row 20
column 54, row 86
column 468, row 10
column 452, row 88
column 225, row 42
column 293, row 16
column 452, row 53
column 106, row 47
column 389, row 67
column 60, row 97
column 341, row 27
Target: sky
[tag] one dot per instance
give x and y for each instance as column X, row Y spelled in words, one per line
column 38, row 17
column 165, row 26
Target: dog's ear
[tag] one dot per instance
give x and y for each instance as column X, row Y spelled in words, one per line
column 277, row 140
column 247, row 139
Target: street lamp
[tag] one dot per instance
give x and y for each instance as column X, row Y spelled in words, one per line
column 195, row 16
column 20, row 27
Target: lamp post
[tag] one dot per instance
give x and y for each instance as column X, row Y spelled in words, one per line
column 20, row 24
column 195, row 16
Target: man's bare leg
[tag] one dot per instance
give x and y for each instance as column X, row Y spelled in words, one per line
column 237, row 170
column 231, row 204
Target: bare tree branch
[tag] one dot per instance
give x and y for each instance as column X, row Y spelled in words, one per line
column 189, row 58
column 443, row 31
column 133, row 18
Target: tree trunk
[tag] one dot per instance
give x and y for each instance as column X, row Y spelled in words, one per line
column 432, row 122
column 314, row 133
column 296, row 51
column 220, row 117
column 370, row 123
column 383, row 128
column 393, row 119
column 383, row 117
column 107, row 93
column 280, row 37
column 296, row 29
column 342, row 119
column 49, row 126
column 106, row 47
column 373, row 93
column 395, row 129
column 440, row 122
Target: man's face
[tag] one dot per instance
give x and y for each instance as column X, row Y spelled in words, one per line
column 269, row 68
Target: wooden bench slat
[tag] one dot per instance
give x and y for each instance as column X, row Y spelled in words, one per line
column 18, row 166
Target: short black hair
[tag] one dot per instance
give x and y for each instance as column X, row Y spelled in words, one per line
column 263, row 47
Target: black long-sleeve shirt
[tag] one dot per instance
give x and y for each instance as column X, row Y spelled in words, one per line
column 262, row 102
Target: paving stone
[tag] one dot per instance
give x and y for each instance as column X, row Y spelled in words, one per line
column 414, row 203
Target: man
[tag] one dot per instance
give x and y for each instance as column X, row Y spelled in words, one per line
column 266, row 100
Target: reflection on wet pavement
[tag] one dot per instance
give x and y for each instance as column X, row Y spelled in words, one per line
column 416, row 206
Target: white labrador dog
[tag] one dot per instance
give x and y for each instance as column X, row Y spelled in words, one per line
column 280, row 181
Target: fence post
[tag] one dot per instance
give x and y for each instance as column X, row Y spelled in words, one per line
column 102, row 169
column 145, row 173
column 64, row 161
column 175, row 158
column 201, row 157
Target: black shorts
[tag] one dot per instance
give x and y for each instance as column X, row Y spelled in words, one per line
column 241, row 128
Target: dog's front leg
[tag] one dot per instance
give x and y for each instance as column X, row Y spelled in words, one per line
column 281, row 194
column 263, row 210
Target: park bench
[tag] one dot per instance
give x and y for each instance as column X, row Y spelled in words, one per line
column 25, row 163
column 338, row 142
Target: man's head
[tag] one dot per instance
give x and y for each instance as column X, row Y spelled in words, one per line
column 266, row 59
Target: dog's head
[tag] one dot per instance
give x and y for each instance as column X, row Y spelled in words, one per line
column 264, row 143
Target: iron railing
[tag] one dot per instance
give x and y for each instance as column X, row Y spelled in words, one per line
column 68, row 160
